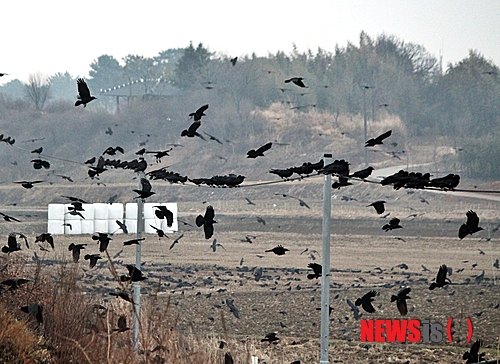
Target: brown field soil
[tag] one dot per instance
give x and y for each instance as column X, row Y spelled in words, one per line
column 196, row 282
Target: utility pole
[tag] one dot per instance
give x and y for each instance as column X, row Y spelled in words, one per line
column 365, row 122
column 137, row 285
column 325, row 263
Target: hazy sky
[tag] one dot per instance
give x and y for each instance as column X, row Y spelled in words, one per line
column 58, row 35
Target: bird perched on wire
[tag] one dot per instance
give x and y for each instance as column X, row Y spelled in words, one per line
column 75, row 249
column 45, row 237
column 207, row 221
column 364, row 173
column 278, row 250
column 317, row 270
column 471, row 226
column 297, row 80
column 84, row 96
column 260, row 151
column 366, row 301
column 92, row 258
column 378, row 206
column 103, row 240
column 400, row 299
column 162, row 212
column 197, row 115
column 393, row 224
column 378, row 140
column 441, row 279
column 145, row 192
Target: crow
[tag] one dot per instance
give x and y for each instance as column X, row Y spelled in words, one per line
column 176, row 241
column 211, row 137
column 302, row 203
column 163, row 213
column 123, row 295
column 401, row 300
column 366, row 301
column 261, row 220
column 215, row 245
column 14, row 283
column 232, row 308
column 122, row 324
column 364, row 173
column 37, row 150
column 278, row 250
column 122, row 226
column 250, row 202
column 260, row 151
column 207, row 222
column 103, row 240
column 473, row 356
column 471, row 226
column 75, row 249
column 39, row 163
column 233, row 61
column 145, row 192
column 379, row 206
column 297, row 81
column 317, row 270
column 98, row 169
column 159, row 232
column 12, row 245
column 92, row 259
column 83, row 93
column 378, row 140
column 134, row 274
column 441, row 279
column 271, row 337
column 112, row 151
column 90, row 161
column 191, row 132
column 354, row 309
column 35, row 310
column 199, row 113
column 45, row 237
column 28, row 184
column 283, row 173
column 133, row 241
column 393, row 224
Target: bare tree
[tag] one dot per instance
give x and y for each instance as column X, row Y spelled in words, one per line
column 37, row 89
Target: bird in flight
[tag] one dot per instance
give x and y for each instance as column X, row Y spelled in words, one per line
column 278, row 250
column 145, row 192
column 134, row 274
column 271, row 337
column 103, row 240
column 260, row 151
column 92, row 258
column 9, row 218
column 45, row 237
column 191, row 132
column 83, row 93
column 441, row 279
column 215, row 245
column 297, row 81
column 378, row 140
column 207, row 221
column 400, row 299
column 393, row 224
column 379, row 206
column 162, row 212
column 473, row 356
column 317, row 270
column 75, row 249
column 12, row 245
column 122, row 324
column 471, row 225
column 159, row 232
column 133, row 242
column 197, row 115
column 176, row 241
column 366, row 301
column 28, row 184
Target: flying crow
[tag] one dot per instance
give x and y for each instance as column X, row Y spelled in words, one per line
column 83, row 93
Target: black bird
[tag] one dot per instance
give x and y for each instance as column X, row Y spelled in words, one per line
column 232, row 308
column 260, row 151
column 191, row 132
column 145, row 192
column 471, row 225
column 28, row 184
column 75, row 249
column 354, row 309
column 39, row 163
column 278, row 250
column 364, row 173
column 250, row 202
column 211, row 137
column 233, row 61
column 378, row 140
column 283, row 173
column 317, row 270
column 83, row 93
column 103, row 240
column 163, row 213
column 122, row 226
column 473, row 356
column 199, row 113
column 12, row 245
column 45, row 237
column 133, row 241
column 35, row 310
column 261, row 220
column 159, row 232
column 271, row 337
column 134, row 274
column 207, row 222
column 441, row 279
column 112, row 151
column 297, row 81
column 214, row 246
column 37, row 150
column 302, row 203
column 175, row 241
column 14, row 283
column 122, row 324
column 90, row 161
column 401, row 300
column 379, row 206
column 228, row 358
column 393, row 224
column 98, row 169
column 366, row 301
column 92, row 258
